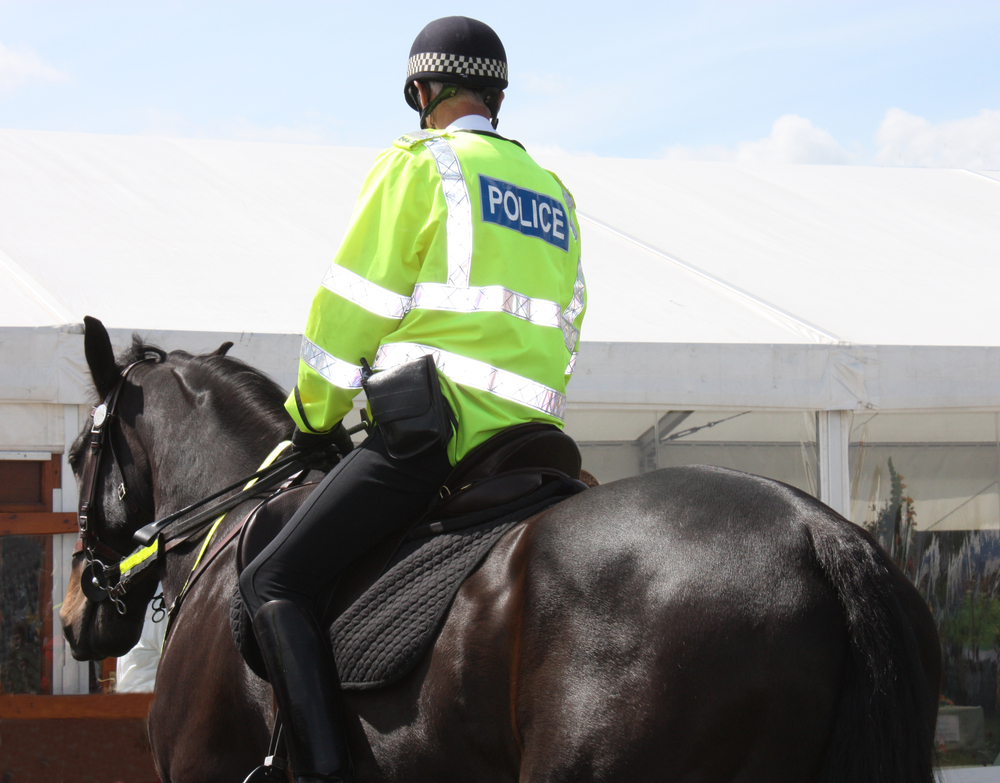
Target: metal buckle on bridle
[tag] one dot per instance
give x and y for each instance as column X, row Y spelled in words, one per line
column 116, row 592
column 159, row 608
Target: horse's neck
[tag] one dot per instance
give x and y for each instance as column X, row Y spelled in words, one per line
column 205, row 464
column 188, row 487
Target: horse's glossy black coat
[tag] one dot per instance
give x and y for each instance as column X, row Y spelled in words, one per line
column 693, row 624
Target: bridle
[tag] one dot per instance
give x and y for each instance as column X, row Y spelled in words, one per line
column 110, row 573
column 95, row 576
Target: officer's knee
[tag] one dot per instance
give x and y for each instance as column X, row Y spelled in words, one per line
column 251, row 600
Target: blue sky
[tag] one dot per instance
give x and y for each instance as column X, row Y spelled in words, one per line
column 877, row 83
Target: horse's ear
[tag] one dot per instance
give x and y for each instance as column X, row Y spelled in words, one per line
column 100, row 355
column 223, row 349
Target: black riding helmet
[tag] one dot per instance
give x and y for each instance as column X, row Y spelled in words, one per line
column 457, row 51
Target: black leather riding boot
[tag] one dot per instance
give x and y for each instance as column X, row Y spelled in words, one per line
column 301, row 671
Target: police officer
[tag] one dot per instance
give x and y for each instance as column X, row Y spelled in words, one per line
column 461, row 248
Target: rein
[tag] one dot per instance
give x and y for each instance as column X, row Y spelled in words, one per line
column 195, row 572
column 268, row 475
column 113, row 581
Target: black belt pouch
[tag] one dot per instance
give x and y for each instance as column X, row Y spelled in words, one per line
column 407, row 405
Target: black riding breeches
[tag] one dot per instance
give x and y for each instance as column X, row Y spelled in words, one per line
column 357, row 505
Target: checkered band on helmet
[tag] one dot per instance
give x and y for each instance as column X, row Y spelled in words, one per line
column 457, row 65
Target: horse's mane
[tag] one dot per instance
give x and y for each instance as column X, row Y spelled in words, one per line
column 253, row 401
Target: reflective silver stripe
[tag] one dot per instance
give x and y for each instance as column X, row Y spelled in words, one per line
column 489, row 299
column 572, row 363
column 338, row 372
column 372, row 297
column 568, row 317
column 439, row 296
column 459, row 224
column 572, row 207
column 411, row 139
column 478, row 375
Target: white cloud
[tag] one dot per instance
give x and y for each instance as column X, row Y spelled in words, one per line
column 904, row 139
column 793, row 139
column 20, row 66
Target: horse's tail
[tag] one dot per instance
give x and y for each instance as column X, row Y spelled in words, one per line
column 884, row 730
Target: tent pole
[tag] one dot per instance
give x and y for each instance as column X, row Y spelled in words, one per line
column 833, row 432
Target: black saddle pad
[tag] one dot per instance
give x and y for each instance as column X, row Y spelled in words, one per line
column 385, row 632
column 383, row 635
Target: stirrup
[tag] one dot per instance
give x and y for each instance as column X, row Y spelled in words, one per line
column 266, row 774
column 276, row 762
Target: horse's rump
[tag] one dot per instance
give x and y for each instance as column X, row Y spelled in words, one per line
column 708, row 607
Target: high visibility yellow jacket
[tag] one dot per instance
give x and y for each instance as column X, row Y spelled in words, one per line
column 462, row 247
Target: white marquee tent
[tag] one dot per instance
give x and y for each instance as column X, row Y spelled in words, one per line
column 712, row 285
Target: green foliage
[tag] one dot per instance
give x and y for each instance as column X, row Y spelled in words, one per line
column 976, row 623
column 894, row 523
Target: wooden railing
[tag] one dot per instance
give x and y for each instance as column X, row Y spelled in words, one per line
column 38, row 523
column 24, row 518
column 113, row 706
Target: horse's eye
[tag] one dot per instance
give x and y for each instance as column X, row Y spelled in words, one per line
column 75, row 457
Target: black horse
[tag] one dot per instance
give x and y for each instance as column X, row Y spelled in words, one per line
column 691, row 624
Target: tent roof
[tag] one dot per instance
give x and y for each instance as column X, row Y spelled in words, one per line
column 709, row 283
column 795, row 254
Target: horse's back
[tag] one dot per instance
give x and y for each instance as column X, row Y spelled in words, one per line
column 680, row 624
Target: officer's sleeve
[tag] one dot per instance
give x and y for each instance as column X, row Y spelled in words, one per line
column 575, row 313
column 577, row 307
column 365, row 293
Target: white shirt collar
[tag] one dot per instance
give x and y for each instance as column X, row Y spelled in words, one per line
column 471, row 122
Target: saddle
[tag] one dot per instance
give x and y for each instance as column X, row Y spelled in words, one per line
column 386, row 609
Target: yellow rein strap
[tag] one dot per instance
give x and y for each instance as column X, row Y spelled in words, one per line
column 215, row 525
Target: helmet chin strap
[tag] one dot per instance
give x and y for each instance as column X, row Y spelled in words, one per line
column 448, row 91
column 491, row 99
